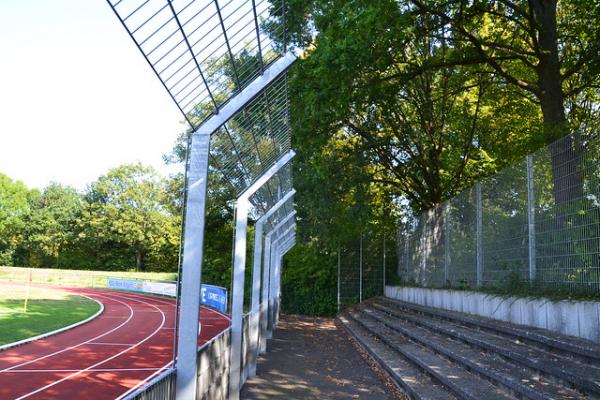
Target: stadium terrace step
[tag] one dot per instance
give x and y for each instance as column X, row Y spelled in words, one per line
column 472, row 357
column 584, row 350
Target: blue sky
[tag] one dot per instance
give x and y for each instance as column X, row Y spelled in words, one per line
column 76, row 96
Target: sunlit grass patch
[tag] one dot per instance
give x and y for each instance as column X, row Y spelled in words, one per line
column 47, row 310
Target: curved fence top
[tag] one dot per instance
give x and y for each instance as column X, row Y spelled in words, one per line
column 203, row 51
column 208, row 52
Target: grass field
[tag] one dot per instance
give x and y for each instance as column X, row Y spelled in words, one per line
column 47, row 310
column 80, row 278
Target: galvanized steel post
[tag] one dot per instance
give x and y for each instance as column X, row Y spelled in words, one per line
column 531, row 218
column 479, row 232
column 189, row 309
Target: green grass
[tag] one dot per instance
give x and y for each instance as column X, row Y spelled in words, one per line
column 79, row 278
column 47, row 310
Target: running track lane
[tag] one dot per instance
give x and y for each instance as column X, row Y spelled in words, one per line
column 128, row 344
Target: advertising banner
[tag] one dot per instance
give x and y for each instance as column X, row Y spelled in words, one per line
column 210, row 296
column 126, row 284
column 163, row 288
column 214, row 296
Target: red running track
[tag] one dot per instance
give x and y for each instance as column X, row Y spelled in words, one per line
column 127, row 345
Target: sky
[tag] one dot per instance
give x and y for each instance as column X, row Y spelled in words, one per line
column 76, row 96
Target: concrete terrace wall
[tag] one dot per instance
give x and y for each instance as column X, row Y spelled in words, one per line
column 214, row 362
column 213, row 368
column 575, row 318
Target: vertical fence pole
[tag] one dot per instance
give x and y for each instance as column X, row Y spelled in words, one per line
column 339, row 255
column 531, row 218
column 191, row 269
column 446, row 222
column 406, row 259
column 266, row 283
column 384, row 251
column 479, row 224
column 255, row 302
column 237, row 298
column 360, row 270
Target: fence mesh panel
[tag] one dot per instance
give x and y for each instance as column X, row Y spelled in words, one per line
column 365, row 263
column 536, row 222
column 504, row 225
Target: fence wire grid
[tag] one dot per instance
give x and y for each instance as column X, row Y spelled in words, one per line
column 364, row 266
column 535, row 222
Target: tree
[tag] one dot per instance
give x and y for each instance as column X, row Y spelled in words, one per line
column 540, row 50
column 427, row 136
column 14, row 206
column 51, row 224
column 126, row 210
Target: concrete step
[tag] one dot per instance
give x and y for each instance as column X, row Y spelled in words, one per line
column 583, row 350
column 520, row 382
column 414, row 382
column 462, row 383
column 562, row 366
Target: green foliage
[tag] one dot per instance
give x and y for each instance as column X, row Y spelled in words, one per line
column 126, row 219
column 14, row 206
column 127, row 209
column 309, row 285
column 51, row 224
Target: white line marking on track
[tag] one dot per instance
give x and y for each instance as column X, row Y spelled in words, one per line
column 140, row 383
column 75, row 346
column 98, row 363
column 112, row 344
column 76, row 370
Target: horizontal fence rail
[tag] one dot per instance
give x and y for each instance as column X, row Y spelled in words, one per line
column 536, row 222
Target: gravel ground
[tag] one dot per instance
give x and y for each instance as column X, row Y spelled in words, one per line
column 312, row 358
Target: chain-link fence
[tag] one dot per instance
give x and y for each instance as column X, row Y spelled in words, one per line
column 535, row 222
column 364, row 265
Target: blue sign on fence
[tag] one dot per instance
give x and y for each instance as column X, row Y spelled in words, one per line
column 126, row 284
column 214, row 297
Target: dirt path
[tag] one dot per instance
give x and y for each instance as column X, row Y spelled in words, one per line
column 311, row 358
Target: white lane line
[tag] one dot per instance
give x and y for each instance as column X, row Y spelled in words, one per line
column 112, row 344
column 147, row 297
column 14, row 371
column 147, row 379
column 77, row 345
column 100, row 362
column 56, row 331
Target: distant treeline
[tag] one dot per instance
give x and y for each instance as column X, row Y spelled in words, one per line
column 125, row 219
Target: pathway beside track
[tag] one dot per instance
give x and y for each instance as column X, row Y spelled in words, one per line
column 128, row 344
column 311, row 358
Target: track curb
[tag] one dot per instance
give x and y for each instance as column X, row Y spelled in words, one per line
column 57, row 331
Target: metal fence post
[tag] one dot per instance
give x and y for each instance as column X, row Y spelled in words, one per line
column 531, row 218
column 191, row 269
column 406, row 258
column 479, row 224
column 338, row 278
column 446, row 222
column 237, row 297
column 360, row 270
column 384, row 254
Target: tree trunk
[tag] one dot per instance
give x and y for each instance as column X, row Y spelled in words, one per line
column 565, row 155
column 139, row 260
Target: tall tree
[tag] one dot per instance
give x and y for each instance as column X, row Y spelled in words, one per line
column 541, row 50
column 51, row 224
column 426, row 134
column 127, row 209
column 14, row 207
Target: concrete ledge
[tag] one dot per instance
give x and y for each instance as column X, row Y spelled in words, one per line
column 575, row 318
